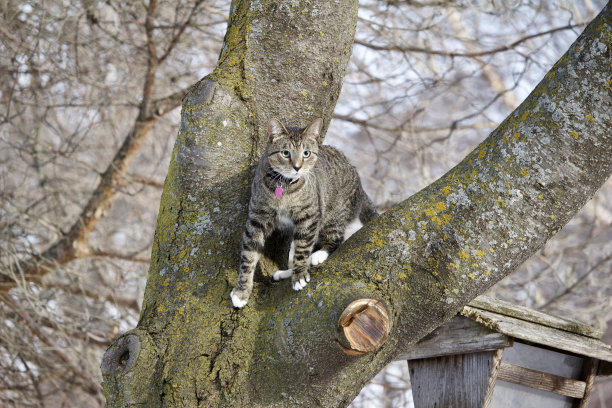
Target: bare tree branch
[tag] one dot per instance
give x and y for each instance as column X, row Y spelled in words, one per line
column 511, row 46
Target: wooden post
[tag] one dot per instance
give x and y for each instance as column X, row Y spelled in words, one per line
column 460, row 380
column 589, row 372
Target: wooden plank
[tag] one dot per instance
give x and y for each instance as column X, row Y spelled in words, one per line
column 589, row 372
column 536, row 333
column 541, row 381
column 451, row 381
column 535, row 316
column 545, row 359
column 457, row 336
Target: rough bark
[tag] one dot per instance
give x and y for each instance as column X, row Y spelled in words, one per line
column 424, row 259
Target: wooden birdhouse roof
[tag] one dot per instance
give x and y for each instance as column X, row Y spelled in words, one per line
column 537, row 327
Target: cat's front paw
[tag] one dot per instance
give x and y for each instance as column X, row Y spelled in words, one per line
column 299, row 281
column 318, row 257
column 239, row 297
column 283, row 274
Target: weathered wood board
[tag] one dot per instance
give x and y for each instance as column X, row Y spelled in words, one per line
column 535, row 316
column 460, row 380
column 539, row 334
column 459, row 335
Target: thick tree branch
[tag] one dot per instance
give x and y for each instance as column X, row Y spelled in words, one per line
column 421, row 261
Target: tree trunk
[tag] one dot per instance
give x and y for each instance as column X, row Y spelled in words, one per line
column 422, row 260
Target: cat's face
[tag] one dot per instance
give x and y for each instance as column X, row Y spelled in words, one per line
column 293, row 152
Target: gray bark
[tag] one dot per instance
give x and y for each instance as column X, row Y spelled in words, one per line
column 424, row 259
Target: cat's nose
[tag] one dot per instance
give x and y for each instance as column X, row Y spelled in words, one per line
column 297, row 167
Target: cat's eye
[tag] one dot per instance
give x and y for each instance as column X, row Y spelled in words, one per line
column 306, row 154
column 286, row 153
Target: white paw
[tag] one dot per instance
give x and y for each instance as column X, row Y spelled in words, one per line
column 278, row 275
column 301, row 283
column 236, row 301
column 318, row 257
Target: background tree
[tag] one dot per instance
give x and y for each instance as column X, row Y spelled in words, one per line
column 426, row 82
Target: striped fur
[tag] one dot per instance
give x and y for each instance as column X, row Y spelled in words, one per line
column 322, row 198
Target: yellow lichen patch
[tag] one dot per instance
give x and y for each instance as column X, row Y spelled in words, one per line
column 166, row 282
column 540, row 197
column 481, row 154
column 504, row 138
column 433, row 263
column 378, row 242
column 181, row 286
column 445, row 220
column 321, row 33
column 446, row 236
column 609, row 84
column 324, row 83
column 440, row 206
column 589, row 118
column 491, row 250
column 552, row 216
column 446, row 190
column 430, row 212
column 480, row 253
column 487, row 272
column 452, row 265
column 474, row 265
column 185, row 268
column 377, row 277
column 524, row 173
column 471, row 275
column 304, row 93
column 455, row 291
column 436, row 219
column 517, row 136
column 525, row 116
column 574, row 134
column 464, row 255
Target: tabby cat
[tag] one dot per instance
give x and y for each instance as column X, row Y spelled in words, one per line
column 311, row 187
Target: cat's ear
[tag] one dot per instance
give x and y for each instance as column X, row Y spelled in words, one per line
column 275, row 129
column 314, row 129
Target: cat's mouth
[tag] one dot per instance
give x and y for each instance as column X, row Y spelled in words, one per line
column 291, row 174
column 286, row 176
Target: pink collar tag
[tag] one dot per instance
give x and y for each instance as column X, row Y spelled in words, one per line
column 279, row 191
